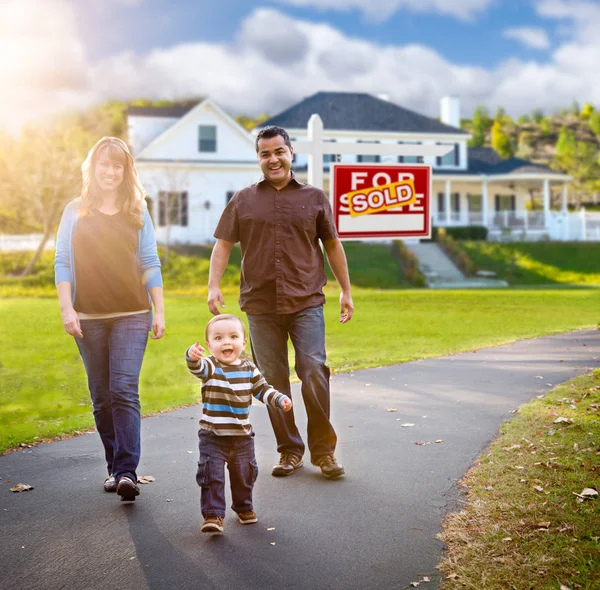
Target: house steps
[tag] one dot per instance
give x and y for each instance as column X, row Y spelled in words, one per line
column 441, row 273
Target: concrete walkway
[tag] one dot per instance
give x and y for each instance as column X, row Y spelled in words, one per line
column 374, row 529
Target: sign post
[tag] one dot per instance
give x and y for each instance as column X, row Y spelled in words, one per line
column 385, row 212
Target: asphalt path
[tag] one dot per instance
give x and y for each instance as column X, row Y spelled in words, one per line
column 375, row 528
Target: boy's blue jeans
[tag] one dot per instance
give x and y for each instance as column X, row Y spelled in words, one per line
column 268, row 338
column 112, row 351
column 238, row 453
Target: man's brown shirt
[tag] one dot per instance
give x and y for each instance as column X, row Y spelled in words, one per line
column 283, row 269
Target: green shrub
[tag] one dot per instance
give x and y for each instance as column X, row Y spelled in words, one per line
column 472, row 233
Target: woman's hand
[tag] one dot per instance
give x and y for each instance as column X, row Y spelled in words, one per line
column 158, row 325
column 71, row 323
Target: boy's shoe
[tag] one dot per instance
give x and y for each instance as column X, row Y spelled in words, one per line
column 127, row 489
column 330, row 468
column 212, row 524
column 110, row 484
column 248, row 517
column 288, row 463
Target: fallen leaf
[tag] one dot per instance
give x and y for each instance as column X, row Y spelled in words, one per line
column 549, row 384
column 544, row 525
column 425, row 579
column 519, row 467
column 489, row 488
column 414, row 584
column 272, row 543
column 271, row 528
column 452, row 576
column 169, row 499
column 563, row 587
column 563, row 419
column 392, row 410
column 423, row 442
column 506, row 539
column 146, row 479
column 439, row 440
column 406, row 425
column 589, row 493
column 538, row 488
column 21, row 487
column 538, row 377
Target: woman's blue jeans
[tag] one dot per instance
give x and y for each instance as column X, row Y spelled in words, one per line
column 268, row 338
column 112, row 351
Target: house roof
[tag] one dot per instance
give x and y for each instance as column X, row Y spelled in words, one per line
column 357, row 111
column 174, row 112
column 485, row 160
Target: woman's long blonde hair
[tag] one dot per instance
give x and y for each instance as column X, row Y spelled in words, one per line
column 131, row 193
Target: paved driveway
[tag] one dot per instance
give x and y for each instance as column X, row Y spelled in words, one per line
column 376, row 528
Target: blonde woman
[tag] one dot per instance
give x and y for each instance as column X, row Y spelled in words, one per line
column 108, row 277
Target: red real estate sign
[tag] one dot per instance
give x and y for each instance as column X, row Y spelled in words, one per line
column 385, row 201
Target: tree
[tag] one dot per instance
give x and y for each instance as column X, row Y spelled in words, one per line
column 586, row 111
column 501, row 142
column 42, row 174
column 481, row 124
column 578, row 159
column 525, row 145
column 594, row 122
column 537, row 115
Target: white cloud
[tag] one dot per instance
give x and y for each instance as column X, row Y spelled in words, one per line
column 261, row 72
column 382, row 9
column 533, row 37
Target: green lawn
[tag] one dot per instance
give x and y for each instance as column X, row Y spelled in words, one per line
column 538, row 263
column 523, row 526
column 43, row 391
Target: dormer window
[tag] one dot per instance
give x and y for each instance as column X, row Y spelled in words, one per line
column 207, row 138
column 451, row 159
column 367, row 158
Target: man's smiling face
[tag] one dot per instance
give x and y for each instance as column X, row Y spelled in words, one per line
column 275, row 160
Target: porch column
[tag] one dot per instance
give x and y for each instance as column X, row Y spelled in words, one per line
column 484, row 202
column 447, row 201
column 546, row 203
column 564, row 198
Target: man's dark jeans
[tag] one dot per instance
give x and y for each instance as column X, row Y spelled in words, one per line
column 268, row 338
column 112, row 351
column 238, row 453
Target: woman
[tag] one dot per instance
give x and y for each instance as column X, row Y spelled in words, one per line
column 107, row 276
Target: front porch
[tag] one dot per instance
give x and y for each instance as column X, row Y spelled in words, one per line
column 515, row 207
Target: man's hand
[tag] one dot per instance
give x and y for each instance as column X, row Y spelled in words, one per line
column 158, row 326
column 346, row 307
column 71, row 323
column 196, row 352
column 215, row 299
column 286, row 404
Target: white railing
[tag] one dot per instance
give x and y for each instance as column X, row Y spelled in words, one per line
column 20, row 242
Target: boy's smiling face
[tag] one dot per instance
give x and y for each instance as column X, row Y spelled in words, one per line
column 226, row 341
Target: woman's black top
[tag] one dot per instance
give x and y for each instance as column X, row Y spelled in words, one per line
column 107, row 276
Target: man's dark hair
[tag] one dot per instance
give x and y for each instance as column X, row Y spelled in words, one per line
column 273, row 131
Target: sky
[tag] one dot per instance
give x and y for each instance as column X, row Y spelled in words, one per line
column 264, row 56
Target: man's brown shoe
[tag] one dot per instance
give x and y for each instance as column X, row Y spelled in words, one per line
column 248, row 517
column 212, row 524
column 288, row 463
column 330, row 468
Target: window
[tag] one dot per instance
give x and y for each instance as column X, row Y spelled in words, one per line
column 365, row 159
column 410, row 159
column 207, row 138
column 452, row 158
column 329, row 158
column 172, row 208
column 505, row 203
column 454, row 202
column 475, row 203
column 229, row 196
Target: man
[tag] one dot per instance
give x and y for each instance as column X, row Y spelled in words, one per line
column 279, row 222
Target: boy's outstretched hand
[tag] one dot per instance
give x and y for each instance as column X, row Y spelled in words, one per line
column 196, row 352
column 286, row 404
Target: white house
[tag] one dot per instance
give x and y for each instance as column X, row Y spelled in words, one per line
column 192, row 159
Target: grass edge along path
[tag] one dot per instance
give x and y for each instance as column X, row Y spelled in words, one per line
column 524, row 526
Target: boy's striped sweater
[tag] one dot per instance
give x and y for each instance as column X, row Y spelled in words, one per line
column 227, row 392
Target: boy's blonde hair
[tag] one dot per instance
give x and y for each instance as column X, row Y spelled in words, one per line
column 223, row 317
